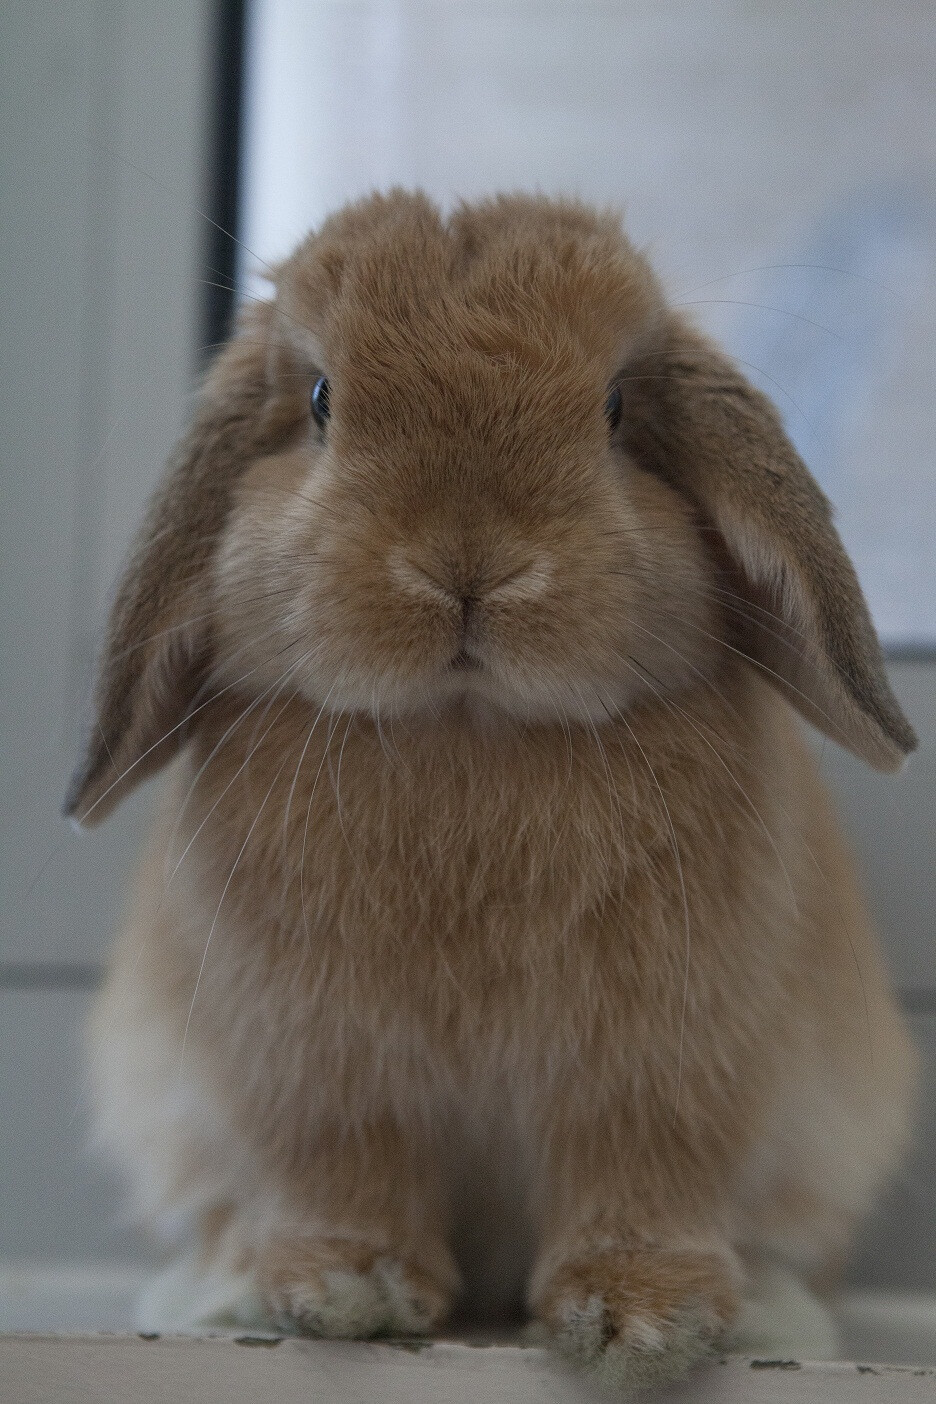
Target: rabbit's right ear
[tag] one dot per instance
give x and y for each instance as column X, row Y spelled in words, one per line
column 797, row 610
column 156, row 654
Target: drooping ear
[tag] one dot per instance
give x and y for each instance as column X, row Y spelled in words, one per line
column 157, row 648
column 801, row 617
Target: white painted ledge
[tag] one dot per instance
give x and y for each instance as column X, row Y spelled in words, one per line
column 88, row 1298
column 252, row 1369
column 255, row 1369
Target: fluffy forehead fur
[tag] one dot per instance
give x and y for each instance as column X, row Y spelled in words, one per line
column 545, row 286
column 468, row 356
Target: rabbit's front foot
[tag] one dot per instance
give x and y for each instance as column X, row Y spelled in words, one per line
column 637, row 1316
column 347, row 1287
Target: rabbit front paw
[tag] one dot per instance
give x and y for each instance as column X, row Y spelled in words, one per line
column 344, row 1287
column 637, row 1317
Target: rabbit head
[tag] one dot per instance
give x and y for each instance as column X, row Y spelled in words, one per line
column 475, row 468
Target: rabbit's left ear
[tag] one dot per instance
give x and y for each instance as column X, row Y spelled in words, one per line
column 800, row 615
column 158, row 648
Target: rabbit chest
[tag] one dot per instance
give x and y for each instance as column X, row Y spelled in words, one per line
column 425, row 910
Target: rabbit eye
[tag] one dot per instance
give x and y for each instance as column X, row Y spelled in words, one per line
column 613, row 408
column 319, row 401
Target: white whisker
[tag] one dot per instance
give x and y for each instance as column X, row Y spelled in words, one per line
column 685, row 904
column 214, row 923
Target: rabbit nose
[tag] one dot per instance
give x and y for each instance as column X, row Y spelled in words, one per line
column 468, row 591
column 440, row 582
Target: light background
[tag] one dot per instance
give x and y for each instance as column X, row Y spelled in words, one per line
column 102, row 143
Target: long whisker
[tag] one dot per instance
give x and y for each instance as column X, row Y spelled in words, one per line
column 819, row 869
column 672, row 706
column 263, row 302
column 609, row 774
column 375, row 710
column 160, row 185
column 305, row 831
column 560, row 806
column 243, row 601
column 292, row 788
column 755, row 662
column 761, row 306
column 739, row 360
column 276, row 688
column 725, row 599
column 61, row 844
column 214, row 923
column 781, row 267
column 738, row 604
column 336, row 785
column 833, row 893
column 699, row 672
column 165, row 737
column 685, row 903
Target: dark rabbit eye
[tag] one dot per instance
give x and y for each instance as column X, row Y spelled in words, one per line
column 320, row 401
column 613, row 407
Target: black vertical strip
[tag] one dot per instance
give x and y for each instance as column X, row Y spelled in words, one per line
column 223, row 183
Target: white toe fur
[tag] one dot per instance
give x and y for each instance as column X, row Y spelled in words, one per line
column 648, row 1352
column 356, row 1304
column 189, row 1297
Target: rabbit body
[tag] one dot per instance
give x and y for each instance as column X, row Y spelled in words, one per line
column 492, row 1006
column 497, row 993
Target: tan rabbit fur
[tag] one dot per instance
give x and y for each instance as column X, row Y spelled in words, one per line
column 496, row 930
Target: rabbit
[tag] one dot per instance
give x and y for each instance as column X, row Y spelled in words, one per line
column 496, row 943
